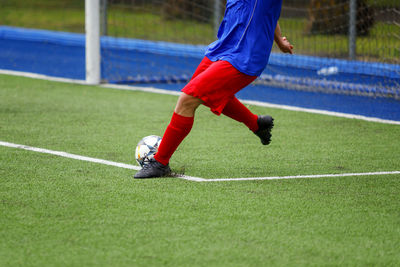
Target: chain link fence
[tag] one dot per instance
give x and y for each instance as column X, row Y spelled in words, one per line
column 315, row 27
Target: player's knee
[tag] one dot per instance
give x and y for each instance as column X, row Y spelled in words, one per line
column 187, row 105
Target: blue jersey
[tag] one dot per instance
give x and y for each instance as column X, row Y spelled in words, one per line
column 246, row 34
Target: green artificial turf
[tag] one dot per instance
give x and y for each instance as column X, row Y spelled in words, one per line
column 63, row 212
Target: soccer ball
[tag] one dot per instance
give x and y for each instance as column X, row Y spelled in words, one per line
column 146, row 148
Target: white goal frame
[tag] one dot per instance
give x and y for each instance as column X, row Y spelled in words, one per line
column 92, row 47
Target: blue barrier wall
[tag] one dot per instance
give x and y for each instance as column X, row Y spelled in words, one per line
column 62, row 54
column 135, row 61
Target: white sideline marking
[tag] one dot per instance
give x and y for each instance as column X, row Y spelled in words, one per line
column 83, row 158
column 72, row 156
column 184, row 177
column 168, row 92
column 41, row 76
column 302, row 176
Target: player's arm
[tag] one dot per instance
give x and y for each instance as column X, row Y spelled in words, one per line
column 283, row 44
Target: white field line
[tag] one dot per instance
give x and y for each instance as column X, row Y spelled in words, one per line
column 71, row 156
column 41, row 76
column 302, row 176
column 168, row 92
column 184, row 177
column 89, row 159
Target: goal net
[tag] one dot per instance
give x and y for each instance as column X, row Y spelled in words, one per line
column 157, row 41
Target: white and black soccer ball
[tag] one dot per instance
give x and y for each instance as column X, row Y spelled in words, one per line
column 146, row 148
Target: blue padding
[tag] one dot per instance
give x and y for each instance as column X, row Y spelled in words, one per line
column 34, row 35
column 43, row 52
column 139, row 61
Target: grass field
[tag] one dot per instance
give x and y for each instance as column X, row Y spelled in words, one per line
column 64, row 212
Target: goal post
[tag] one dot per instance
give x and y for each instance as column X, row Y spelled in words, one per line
column 92, row 47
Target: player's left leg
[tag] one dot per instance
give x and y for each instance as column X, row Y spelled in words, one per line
column 260, row 125
column 234, row 109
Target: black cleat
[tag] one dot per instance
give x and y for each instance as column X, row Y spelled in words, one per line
column 265, row 125
column 153, row 169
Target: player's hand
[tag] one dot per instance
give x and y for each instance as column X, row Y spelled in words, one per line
column 285, row 46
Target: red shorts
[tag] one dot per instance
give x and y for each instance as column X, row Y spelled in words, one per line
column 216, row 83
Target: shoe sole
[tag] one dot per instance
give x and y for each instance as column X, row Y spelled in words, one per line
column 168, row 174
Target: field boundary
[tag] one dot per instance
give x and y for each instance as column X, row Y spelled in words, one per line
column 184, row 177
column 176, row 93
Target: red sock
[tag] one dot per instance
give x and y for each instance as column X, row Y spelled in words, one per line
column 239, row 112
column 177, row 130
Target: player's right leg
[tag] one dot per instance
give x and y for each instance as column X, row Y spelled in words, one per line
column 179, row 127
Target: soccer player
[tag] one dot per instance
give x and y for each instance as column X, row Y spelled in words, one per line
column 240, row 54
